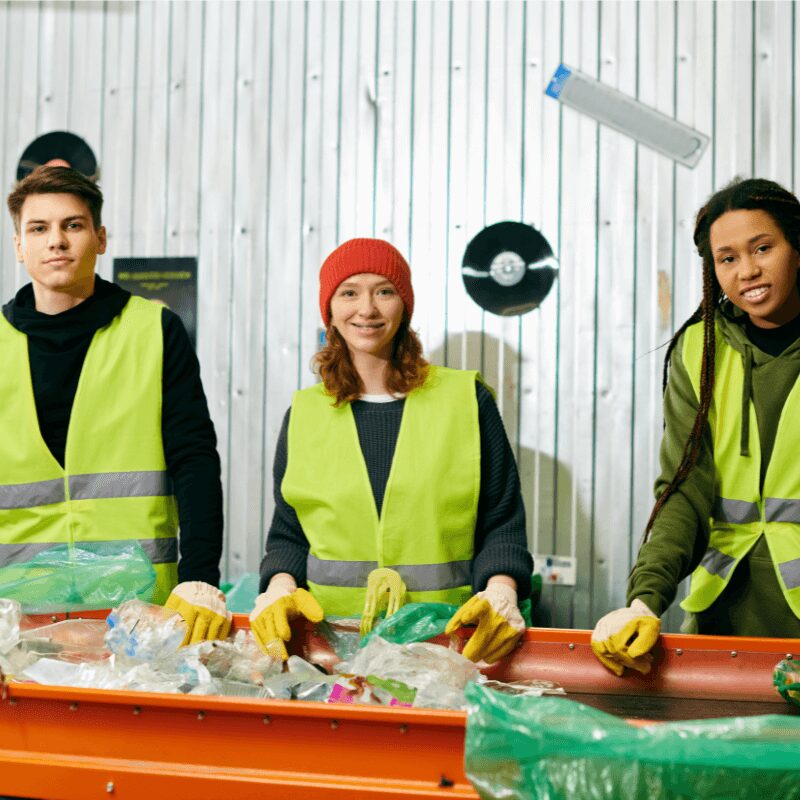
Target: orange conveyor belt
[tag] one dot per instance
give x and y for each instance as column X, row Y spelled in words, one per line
column 61, row 743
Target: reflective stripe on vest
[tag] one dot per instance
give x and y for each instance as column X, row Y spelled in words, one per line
column 38, row 493
column 417, row 577
column 433, row 487
column 113, row 483
column 86, row 487
column 743, row 511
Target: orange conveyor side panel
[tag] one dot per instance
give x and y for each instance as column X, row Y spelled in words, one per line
column 59, row 743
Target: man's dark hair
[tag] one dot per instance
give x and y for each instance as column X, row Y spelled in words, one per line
column 56, row 180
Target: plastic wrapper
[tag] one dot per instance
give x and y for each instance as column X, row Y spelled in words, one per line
column 439, row 675
column 10, row 613
column 103, row 675
column 88, row 575
column 551, row 748
column 531, row 688
column 238, row 662
column 241, row 597
column 414, row 622
column 786, row 679
column 144, row 631
column 73, row 640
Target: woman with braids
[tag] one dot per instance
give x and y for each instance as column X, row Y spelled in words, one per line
column 728, row 507
column 391, row 475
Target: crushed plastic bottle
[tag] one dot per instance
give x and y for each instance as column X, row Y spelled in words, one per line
column 10, row 613
column 144, row 631
column 75, row 640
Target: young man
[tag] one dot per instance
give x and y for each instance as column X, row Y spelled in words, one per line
column 105, row 433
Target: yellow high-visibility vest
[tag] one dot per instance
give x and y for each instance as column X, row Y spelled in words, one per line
column 114, row 484
column 426, row 529
column 742, row 512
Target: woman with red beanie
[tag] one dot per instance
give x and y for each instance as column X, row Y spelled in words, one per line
column 392, row 473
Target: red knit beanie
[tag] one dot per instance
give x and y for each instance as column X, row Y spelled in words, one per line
column 364, row 255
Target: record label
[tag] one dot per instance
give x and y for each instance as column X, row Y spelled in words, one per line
column 508, row 268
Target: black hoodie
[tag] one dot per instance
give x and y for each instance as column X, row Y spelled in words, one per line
column 57, row 347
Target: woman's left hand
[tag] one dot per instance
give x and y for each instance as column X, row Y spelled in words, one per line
column 499, row 623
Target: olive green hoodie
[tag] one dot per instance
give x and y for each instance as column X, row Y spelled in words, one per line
column 752, row 603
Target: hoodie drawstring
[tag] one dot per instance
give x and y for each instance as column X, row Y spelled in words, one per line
column 747, row 360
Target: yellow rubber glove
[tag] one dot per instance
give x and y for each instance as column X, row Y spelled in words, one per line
column 386, row 588
column 202, row 607
column 282, row 602
column 625, row 637
column 500, row 625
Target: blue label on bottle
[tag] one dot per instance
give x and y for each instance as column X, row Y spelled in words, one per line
column 558, row 80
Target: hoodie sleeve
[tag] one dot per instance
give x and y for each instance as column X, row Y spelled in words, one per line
column 190, row 448
column 679, row 535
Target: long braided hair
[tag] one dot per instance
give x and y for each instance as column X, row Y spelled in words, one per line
column 754, row 194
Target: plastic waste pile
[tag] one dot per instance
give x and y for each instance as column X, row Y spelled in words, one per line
column 786, row 679
column 138, row 648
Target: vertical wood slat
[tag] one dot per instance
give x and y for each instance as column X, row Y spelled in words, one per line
column 259, row 147
column 151, row 134
column 614, row 327
column 217, row 233
column 285, row 222
column 245, row 486
column 542, row 158
column 117, row 147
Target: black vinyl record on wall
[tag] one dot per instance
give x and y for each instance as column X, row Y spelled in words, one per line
column 508, row 268
column 61, row 148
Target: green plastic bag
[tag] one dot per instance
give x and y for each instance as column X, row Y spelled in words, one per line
column 241, row 596
column 551, row 748
column 87, row 575
column 414, row 622
column 418, row 622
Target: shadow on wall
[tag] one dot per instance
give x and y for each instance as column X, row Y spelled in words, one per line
column 551, row 510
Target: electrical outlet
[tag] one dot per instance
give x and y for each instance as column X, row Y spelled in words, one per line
column 556, row 570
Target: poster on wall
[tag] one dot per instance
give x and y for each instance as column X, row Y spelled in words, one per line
column 170, row 281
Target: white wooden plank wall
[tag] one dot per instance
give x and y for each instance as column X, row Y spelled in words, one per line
column 258, row 135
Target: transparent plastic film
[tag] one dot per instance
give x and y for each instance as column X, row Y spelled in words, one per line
column 89, row 575
column 551, row 748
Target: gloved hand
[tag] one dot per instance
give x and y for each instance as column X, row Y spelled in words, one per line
column 624, row 638
column 202, row 607
column 380, row 583
column 283, row 601
column 500, row 625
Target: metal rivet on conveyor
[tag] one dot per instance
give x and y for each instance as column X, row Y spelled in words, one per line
column 137, row 710
column 53, row 618
column 789, row 656
column 73, row 706
column 679, row 651
column 266, row 720
column 734, row 654
column 110, row 787
column 404, row 728
column 201, row 715
column 571, row 646
column 334, row 724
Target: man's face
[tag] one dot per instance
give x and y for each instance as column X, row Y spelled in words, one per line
column 58, row 243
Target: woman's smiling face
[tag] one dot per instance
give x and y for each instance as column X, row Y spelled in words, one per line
column 367, row 311
column 756, row 266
